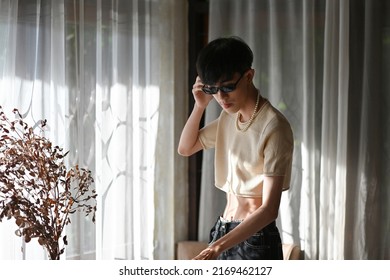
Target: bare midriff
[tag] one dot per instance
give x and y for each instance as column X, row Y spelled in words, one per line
column 239, row 207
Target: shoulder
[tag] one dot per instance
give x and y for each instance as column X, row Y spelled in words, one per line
column 269, row 120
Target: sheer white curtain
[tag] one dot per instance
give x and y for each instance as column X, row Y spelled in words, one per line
column 37, row 89
column 322, row 63
column 101, row 72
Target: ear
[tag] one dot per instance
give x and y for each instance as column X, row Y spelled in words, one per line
column 250, row 74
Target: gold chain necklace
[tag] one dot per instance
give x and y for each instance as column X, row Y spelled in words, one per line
column 248, row 124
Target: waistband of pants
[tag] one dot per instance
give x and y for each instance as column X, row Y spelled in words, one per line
column 223, row 220
column 230, row 224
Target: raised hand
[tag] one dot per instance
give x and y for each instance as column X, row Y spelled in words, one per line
column 202, row 99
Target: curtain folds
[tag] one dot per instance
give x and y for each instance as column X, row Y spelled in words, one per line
column 322, row 64
column 101, row 73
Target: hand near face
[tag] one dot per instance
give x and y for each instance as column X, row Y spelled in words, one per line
column 202, row 99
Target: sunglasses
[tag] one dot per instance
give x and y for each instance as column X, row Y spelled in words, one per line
column 224, row 89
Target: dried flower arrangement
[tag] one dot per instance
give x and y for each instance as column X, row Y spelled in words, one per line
column 36, row 189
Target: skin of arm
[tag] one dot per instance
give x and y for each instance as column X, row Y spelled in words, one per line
column 261, row 217
column 189, row 142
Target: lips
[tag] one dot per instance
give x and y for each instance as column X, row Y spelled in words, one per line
column 226, row 105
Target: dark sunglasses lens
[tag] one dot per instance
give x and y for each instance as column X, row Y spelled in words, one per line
column 227, row 89
column 210, row 90
column 214, row 90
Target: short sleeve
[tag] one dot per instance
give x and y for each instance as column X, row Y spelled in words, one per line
column 278, row 151
column 207, row 135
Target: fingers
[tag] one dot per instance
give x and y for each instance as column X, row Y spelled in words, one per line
column 197, row 87
column 201, row 99
column 206, row 254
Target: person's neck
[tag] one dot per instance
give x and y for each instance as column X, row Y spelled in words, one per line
column 250, row 110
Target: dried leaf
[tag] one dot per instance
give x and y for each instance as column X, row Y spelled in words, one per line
column 19, row 221
column 42, row 241
column 36, row 189
column 27, row 238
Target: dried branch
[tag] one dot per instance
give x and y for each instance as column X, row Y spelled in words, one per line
column 36, row 189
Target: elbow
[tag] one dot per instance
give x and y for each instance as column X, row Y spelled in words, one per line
column 271, row 213
column 274, row 215
column 187, row 150
column 183, row 152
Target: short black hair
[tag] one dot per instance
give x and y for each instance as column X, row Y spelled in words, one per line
column 222, row 58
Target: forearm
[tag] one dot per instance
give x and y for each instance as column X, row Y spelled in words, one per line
column 247, row 228
column 189, row 135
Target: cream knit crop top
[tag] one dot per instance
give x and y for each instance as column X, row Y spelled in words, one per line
column 242, row 159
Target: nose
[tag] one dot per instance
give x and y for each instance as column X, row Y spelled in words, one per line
column 221, row 97
column 221, row 94
column 218, row 95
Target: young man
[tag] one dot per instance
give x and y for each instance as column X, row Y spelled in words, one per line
column 253, row 152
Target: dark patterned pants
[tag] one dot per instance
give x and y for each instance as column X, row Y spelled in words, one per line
column 264, row 245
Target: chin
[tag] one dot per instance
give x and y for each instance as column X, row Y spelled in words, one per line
column 229, row 108
column 230, row 111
